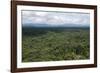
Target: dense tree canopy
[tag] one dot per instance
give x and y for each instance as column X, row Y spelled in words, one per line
column 55, row 44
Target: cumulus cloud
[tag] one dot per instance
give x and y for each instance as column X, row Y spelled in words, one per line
column 44, row 18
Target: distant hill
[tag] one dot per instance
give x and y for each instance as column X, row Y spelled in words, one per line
column 64, row 25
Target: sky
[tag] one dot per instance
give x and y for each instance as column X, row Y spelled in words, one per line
column 54, row 19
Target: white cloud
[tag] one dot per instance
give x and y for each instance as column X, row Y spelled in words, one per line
column 55, row 18
column 40, row 13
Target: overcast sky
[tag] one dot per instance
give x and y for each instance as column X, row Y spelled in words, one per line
column 44, row 18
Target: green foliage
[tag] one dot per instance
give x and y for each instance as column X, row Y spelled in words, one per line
column 54, row 45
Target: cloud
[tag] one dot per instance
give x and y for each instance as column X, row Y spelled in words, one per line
column 43, row 18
